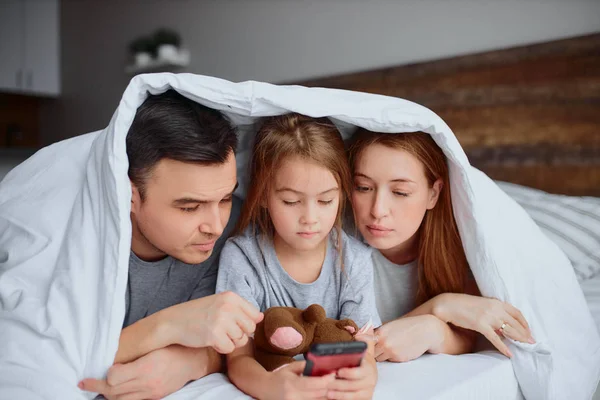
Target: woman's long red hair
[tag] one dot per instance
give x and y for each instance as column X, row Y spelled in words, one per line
column 442, row 263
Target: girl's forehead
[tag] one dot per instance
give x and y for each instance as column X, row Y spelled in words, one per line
column 303, row 176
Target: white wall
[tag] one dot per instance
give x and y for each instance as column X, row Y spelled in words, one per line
column 287, row 40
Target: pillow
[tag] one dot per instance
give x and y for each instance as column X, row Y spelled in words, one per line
column 572, row 222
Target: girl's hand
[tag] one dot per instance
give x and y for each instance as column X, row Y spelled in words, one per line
column 408, row 338
column 355, row 383
column 490, row 317
column 289, row 384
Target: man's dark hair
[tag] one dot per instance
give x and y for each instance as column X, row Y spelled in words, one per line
column 169, row 125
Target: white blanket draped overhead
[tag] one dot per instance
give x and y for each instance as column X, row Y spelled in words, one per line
column 65, row 237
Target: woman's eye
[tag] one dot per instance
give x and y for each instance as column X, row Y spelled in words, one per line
column 400, row 194
column 325, row 202
column 362, row 188
column 290, row 203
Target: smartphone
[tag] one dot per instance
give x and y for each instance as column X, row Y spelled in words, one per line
column 325, row 358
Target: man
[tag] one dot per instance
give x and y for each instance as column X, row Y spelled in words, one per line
column 183, row 174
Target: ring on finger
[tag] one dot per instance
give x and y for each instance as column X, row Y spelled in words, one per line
column 504, row 325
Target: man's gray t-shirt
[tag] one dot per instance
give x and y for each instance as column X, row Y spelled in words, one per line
column 153, row 286
column 249, row 267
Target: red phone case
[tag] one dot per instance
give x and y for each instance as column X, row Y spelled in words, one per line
column 321, row 361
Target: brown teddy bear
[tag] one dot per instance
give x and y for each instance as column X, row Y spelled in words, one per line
column 286, row 332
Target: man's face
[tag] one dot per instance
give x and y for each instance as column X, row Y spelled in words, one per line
column 185, row 209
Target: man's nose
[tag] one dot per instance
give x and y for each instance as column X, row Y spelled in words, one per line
column 211, row 222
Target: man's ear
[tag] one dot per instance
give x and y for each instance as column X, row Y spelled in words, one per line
column 136, row 198
column 434, row 193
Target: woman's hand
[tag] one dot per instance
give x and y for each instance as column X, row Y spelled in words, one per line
column 408, row 338
column 288, row 383
column 490, row 317
column 355, row 383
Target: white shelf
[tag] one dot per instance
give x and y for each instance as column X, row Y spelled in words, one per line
column 158, row 65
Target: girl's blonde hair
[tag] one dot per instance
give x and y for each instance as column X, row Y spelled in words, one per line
column 315, row 140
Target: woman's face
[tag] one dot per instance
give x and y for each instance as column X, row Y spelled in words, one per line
column 390, row 197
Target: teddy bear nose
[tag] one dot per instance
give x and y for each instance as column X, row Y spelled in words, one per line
column 286, row 338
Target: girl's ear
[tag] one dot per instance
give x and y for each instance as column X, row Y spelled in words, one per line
column 434, row 193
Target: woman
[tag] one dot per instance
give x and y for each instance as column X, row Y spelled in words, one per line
column 402, row 207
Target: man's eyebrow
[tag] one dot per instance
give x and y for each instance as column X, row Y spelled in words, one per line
column 191, row 200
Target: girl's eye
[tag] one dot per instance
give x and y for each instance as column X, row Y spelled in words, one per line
column 290, row 203
column 400, row 194
column 325, row 202
column 362, row 188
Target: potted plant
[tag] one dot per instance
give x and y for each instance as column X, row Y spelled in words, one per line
column 167, row 43
column 141, row 50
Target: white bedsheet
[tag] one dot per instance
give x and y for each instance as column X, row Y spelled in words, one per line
column 482, row 376
column 591, row 291
column 65, row 238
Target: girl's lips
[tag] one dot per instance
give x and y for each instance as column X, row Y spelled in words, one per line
column 307, row 235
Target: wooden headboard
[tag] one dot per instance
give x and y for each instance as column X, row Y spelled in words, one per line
column 527, row 115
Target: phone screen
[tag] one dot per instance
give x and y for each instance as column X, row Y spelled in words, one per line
column 325, row 358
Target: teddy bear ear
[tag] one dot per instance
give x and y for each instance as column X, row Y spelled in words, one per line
column 348, row 325
column 314, row 313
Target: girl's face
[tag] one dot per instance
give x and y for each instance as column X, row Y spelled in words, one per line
column 390, row 197
column 303, row 203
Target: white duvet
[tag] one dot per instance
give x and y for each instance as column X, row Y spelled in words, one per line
column 65, row 238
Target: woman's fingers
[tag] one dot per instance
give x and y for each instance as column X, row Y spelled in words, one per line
column 514, row 330
column 491, row 335
column 516, row 314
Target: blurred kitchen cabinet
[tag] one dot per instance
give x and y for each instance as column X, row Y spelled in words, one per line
column 29, row 47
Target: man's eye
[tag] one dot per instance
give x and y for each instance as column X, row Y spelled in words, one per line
column 188, row 209
column 226, row 200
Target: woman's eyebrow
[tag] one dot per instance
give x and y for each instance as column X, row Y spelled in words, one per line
column 400, row 180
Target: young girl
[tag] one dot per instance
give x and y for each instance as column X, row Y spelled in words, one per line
column 291, row 251
column 403, row 209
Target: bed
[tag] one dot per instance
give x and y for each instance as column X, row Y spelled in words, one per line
column 485, row 374
column 528, row 116
column 491, row 146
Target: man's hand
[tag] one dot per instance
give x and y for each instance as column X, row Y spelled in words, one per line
column 155, row 375
column 223, row 321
